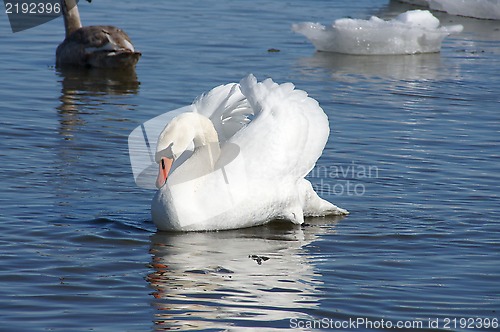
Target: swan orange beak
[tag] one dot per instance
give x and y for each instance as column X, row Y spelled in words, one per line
column 165, row 165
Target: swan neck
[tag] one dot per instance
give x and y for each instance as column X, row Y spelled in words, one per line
column 71, row 16
column 207, row 136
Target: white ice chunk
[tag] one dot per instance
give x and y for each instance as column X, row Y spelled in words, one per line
column 485, row 9
column 415, row 31
column 424, row 3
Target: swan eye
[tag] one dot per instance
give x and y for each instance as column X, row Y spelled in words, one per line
column 167, row 152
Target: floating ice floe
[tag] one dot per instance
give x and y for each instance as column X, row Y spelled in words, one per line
column 424, row 3
column 485, row 9
column 415, row 31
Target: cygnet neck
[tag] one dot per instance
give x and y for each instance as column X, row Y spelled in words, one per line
column 71, row 16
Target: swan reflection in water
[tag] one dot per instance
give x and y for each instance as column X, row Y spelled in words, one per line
column 98, row 81
column 355, row 67
column 85, row 89
column 260, row 276
column 93, row 104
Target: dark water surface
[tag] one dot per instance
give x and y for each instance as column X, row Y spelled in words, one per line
column 414, row 155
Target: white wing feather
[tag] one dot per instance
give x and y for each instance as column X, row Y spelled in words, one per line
column 296, row 124
column 226, row 107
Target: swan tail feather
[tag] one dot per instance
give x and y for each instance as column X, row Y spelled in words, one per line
column 315, row 206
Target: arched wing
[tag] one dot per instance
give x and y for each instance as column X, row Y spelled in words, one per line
column 227, row 108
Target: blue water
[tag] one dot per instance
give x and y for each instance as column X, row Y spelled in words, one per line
column 413, row 155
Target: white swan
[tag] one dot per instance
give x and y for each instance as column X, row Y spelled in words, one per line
column 239, row 159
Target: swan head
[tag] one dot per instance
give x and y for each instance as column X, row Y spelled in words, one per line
column 178, row 136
